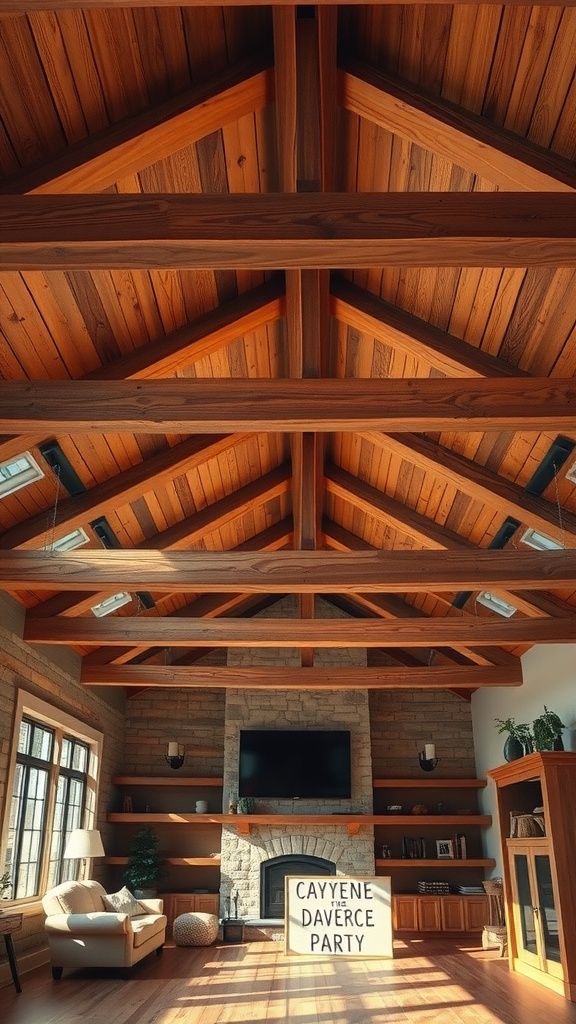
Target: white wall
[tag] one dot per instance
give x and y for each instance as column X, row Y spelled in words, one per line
column 549, row 673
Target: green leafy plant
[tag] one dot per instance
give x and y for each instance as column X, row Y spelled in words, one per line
column 245, row 805
column 145, row 867
column 518, row 730
column 547, row 730
column 5, row 883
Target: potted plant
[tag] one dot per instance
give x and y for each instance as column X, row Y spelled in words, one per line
column 519, row 740
column 547, row 731
column 145, row 867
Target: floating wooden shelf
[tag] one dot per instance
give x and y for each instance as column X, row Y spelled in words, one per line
column 177, row 861
column 445, row 862
column 429, row 783
column 166, row 780
column 352, row 821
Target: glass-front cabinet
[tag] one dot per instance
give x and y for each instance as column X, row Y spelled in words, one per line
column 536, row 801
column 534, row 907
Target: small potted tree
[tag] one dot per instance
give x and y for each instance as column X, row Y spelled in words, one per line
column 144, row 869
column 519, row 740
column 547, row 731
column 5, row 886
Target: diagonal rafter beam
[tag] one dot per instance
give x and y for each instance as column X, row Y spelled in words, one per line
column 226, row 405
column 389, row 606
column 458, row 135
column 290, row 572
column 394, row 326
column 275, row 231
column 188, row 532
column 125, row 148
column 480, row 483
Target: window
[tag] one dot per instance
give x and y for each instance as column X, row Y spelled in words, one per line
column 70, row 541
column 110, row 604
column 53, row 791
column 17, row 473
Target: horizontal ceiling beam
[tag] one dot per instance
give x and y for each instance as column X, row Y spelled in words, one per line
column 458, row 135
column 289, row 572
column 189, row 406
column 275, row 231
column 23, row 6
column 270, row 678
column 326, row 633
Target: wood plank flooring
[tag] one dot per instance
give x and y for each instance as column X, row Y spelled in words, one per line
column 431, row 981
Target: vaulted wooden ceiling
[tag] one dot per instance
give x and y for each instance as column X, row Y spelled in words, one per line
column 293, row 289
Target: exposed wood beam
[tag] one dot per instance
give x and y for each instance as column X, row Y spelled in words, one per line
column 125, row 148
column 325, row 633
column 427, row 532
column 275, row 231
column 289, row 571
column 187, row 532
column 271, row 678
column 271, row 406
column 394, row 326
column 164, row 356
column 391, row 607
column 23, row 6
column 458, row 135
column 481, row 484
column 119, row 490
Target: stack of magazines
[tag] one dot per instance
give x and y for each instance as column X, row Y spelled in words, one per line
column 434, row 888
column 467, row 890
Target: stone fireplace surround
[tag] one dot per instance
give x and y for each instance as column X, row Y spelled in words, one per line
column 242, row 855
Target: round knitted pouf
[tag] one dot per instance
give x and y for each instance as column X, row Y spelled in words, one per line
column 195, row 929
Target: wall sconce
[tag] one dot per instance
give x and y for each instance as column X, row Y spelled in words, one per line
column 175, row 755
column 427, row 758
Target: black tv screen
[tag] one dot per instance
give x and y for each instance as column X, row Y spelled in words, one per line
column 295, row 763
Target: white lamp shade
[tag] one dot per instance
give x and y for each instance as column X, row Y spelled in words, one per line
column 84, row 842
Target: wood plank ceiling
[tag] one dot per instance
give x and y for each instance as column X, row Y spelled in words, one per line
column 293, row 289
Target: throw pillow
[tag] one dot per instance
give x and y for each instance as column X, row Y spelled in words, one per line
column 123, row 902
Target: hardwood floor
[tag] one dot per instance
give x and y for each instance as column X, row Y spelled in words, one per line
column 431, row 981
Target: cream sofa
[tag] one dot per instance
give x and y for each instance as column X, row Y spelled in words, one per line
column 83, row 933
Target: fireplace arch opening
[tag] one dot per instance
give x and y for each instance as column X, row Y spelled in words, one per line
column 273, row 872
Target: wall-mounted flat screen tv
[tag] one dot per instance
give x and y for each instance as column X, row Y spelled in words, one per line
column 295, row 763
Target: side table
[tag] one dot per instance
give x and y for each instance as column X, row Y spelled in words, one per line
column 10, row 923
column 232, row 929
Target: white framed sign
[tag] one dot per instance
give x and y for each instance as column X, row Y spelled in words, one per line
column 338, row 915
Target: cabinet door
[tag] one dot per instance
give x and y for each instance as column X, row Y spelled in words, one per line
column 452, row 914
column 535, row 918
column 207, row 903
column 475, row 913
column 405, row 913
column 429, row 914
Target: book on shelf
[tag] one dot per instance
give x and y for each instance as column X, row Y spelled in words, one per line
column 413, row 849
column 459, row 846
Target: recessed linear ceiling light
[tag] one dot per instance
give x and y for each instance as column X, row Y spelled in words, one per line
column 110, row 604
column 496, row 604
column 540, row 541
column 69, row 541
column 17, row 473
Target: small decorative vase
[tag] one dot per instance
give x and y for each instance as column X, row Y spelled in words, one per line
column 513, row 749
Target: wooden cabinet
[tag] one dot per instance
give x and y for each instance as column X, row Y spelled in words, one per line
column 189, row 842
column 540, row 894
column 176, row 903
column 414, row 913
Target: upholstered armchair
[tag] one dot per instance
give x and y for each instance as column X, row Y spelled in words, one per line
column 84, row 931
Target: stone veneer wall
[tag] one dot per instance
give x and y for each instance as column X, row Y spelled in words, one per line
column 242, row 855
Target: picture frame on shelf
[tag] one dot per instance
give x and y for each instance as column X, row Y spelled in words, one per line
column 444, row 849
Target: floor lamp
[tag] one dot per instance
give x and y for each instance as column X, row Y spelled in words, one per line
column 83, row 844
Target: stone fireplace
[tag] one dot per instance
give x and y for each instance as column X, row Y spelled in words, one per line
column 244, row 855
